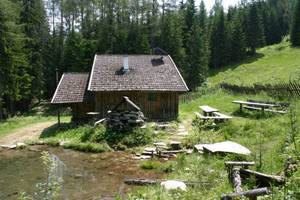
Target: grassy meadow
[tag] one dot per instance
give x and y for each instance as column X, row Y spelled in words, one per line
column 272, row 64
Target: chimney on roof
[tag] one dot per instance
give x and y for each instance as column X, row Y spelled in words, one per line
column 125, row 64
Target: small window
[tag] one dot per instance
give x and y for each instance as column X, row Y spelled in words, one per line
column 152, row 96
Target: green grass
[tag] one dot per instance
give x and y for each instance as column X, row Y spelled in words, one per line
column 15, row 123
column 100, row 139
column 265, row 135
column 277, row 63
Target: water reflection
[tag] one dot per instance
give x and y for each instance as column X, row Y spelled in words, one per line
column 84, row 175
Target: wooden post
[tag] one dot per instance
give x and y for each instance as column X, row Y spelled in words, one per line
column 58, row 107
column 241, row 107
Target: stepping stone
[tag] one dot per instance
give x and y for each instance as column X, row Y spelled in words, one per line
column 160, row 144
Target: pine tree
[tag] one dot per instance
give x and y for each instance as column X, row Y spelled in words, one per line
column 202, row 16
column 238, row 40
column 197, row 56
column 73, row 53
column 219, row 40
column 36, row 30
column 295, row 32
column 255, row 29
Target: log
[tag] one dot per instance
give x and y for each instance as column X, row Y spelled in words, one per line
column 143, row 182
column 264, row 179
column 250, row 194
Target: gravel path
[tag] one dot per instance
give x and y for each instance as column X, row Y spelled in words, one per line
column 30, row 132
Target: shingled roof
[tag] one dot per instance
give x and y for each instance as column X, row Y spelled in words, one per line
column 146, row 73
column 71, row 88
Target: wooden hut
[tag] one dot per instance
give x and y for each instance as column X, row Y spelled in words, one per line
column 152, row 82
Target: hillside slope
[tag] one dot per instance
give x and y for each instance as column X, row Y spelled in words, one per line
column 274, row 63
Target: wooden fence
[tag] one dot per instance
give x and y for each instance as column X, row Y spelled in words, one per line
column 291, row 89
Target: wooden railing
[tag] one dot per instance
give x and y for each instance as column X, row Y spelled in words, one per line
column 290, row 89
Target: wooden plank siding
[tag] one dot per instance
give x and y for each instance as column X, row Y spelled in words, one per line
column 154, row 105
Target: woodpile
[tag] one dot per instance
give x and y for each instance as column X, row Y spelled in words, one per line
column 125, row 115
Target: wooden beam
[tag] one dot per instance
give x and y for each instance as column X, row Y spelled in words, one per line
column 239, row 163
column 263, row 177
column 252, row 194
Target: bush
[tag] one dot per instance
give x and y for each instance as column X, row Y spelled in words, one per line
column 148, row 165
column 88, row 147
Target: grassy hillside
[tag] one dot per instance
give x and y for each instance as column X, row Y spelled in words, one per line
column 274, row 63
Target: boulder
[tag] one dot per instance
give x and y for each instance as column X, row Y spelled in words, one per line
column 173, row 185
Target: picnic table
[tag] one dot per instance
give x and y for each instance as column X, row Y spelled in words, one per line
column 207, row 110
column 255, row 105
column 210, row 113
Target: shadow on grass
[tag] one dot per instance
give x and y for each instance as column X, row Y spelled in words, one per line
column 232, row 66
column 53, row 130
column 253, row 114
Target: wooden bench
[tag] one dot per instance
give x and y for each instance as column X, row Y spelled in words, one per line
column 267, row 110
column 268, row 107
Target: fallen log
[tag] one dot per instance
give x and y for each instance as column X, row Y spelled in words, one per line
column 252, row 194
column 143, row 182
column 261, row 178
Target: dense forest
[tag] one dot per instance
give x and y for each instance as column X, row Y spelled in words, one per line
column 39, row 37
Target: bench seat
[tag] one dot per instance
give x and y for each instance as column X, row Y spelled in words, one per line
column 266, row 109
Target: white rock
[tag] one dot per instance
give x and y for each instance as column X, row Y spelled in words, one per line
column 21, row 144
column 173, row 185
column 13, row 146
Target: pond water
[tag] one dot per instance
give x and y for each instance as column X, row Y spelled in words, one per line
column 85, row 175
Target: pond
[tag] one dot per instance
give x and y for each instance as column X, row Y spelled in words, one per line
column 85, row 175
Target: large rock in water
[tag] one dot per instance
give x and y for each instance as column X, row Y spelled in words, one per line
column 173, row 185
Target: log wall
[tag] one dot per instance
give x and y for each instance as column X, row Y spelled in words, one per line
column 154, row 105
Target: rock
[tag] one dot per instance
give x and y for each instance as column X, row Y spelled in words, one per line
column 40, row 142
column 160, row 144
column 150, row 149
column 173, row 185
column 189, row 151
column 12, row 146
column 137, row 158
column 21, row 145
column 223, row 147
column 145, row 157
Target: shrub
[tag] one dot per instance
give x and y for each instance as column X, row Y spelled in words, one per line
column 150, row 165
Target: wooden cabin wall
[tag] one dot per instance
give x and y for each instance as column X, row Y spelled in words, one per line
column 79, row 111
column 162, row 105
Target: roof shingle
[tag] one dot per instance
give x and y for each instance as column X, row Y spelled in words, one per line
column 146, row 73
column 71, row 88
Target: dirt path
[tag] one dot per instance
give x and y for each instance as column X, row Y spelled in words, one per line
column 30, row 132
